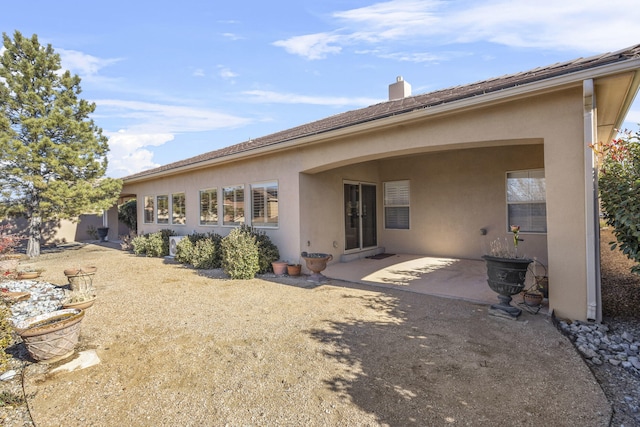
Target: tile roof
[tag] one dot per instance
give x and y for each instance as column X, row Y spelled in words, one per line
column 404, row 105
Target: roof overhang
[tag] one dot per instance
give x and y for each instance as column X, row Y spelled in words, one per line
column 616, row 86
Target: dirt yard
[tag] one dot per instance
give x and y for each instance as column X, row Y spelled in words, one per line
column 180, row 347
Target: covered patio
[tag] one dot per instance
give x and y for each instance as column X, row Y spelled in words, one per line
column 455, row 278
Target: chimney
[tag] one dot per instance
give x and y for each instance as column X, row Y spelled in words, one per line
column 400, row 89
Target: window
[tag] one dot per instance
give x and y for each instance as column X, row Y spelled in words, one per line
column 209, row 207
column 148, row 209
column 527, row 201
column 178, row 209
column 163, row 209
column 233, row 205
column 396, row 205
column 264, row 204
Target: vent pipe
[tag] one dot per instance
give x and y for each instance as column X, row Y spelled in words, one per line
column 400, row 89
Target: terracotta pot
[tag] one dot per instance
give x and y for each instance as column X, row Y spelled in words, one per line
column 12, row 297
column 294, row 269
column 51, row 336
column 533, row 299
column 279, row 267
column 316, row 262
column 82, row 305
column 80, row 270
column 28, row 275
column 8, row 263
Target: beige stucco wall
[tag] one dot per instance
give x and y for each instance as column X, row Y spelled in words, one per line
column 456, row 164
column 66, row 230
column 282, row 169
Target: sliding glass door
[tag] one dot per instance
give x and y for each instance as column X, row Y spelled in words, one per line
column 360, row 215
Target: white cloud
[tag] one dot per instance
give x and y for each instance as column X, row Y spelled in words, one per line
column 128, row 153
column 198, row 72
column 161, row 118
column 153, row 125
column 388, row 27
column 85, row 65
column 264, row 96
column 226, row 72
column 231, row 36
column 312, row 46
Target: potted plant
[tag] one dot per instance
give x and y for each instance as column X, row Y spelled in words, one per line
column 79, row 299
column 102, row 233
column 29, row 273
column 506, row 273
column 51, row 336
column 279, row 267
column 294, row 269
column 80, row 278
column 316, row 262
column 533, row 296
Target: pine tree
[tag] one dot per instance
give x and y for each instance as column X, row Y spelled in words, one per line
column 53, row 157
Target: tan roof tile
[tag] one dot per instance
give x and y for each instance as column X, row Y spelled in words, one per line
column 404, row 105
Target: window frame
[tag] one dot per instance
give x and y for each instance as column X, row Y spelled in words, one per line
column 202, row 221
column 525, row 227
column 178, row 216
column 387, row 205
column 238, row 211
column 264, row 187
column 168, row 213
column 146, row 210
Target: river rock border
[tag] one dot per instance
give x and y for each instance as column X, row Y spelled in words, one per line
column 598, row 345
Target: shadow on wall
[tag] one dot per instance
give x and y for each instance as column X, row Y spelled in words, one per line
column 64, row 231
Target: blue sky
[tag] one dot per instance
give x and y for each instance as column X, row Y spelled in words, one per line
column 174, row 79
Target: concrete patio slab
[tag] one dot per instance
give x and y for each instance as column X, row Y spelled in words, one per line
column 463, row 279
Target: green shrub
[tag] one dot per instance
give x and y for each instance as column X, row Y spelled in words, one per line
column 204, row 255
column 200, row 250
column 153, row 244
column 128, row 214
column 619, row 185
column 139, row 244
column 184, row 251
column 240, row 255
column 267, row 250
column 5, row 335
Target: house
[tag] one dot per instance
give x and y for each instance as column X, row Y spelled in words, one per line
column 442, row 174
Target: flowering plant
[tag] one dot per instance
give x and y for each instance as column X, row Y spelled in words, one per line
column 8, row 241
column 500, row 247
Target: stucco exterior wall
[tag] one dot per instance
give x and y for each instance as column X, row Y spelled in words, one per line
column 455, row 194
column 265, row 169
column 456, row 164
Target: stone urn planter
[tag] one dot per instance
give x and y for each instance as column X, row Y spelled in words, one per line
column 316, row 262
column 51, row 336
column 506, row 276
column 102, row 233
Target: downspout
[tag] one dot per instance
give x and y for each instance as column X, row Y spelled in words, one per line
column 592, row 251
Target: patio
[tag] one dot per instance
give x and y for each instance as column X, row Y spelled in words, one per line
column 463, row 279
